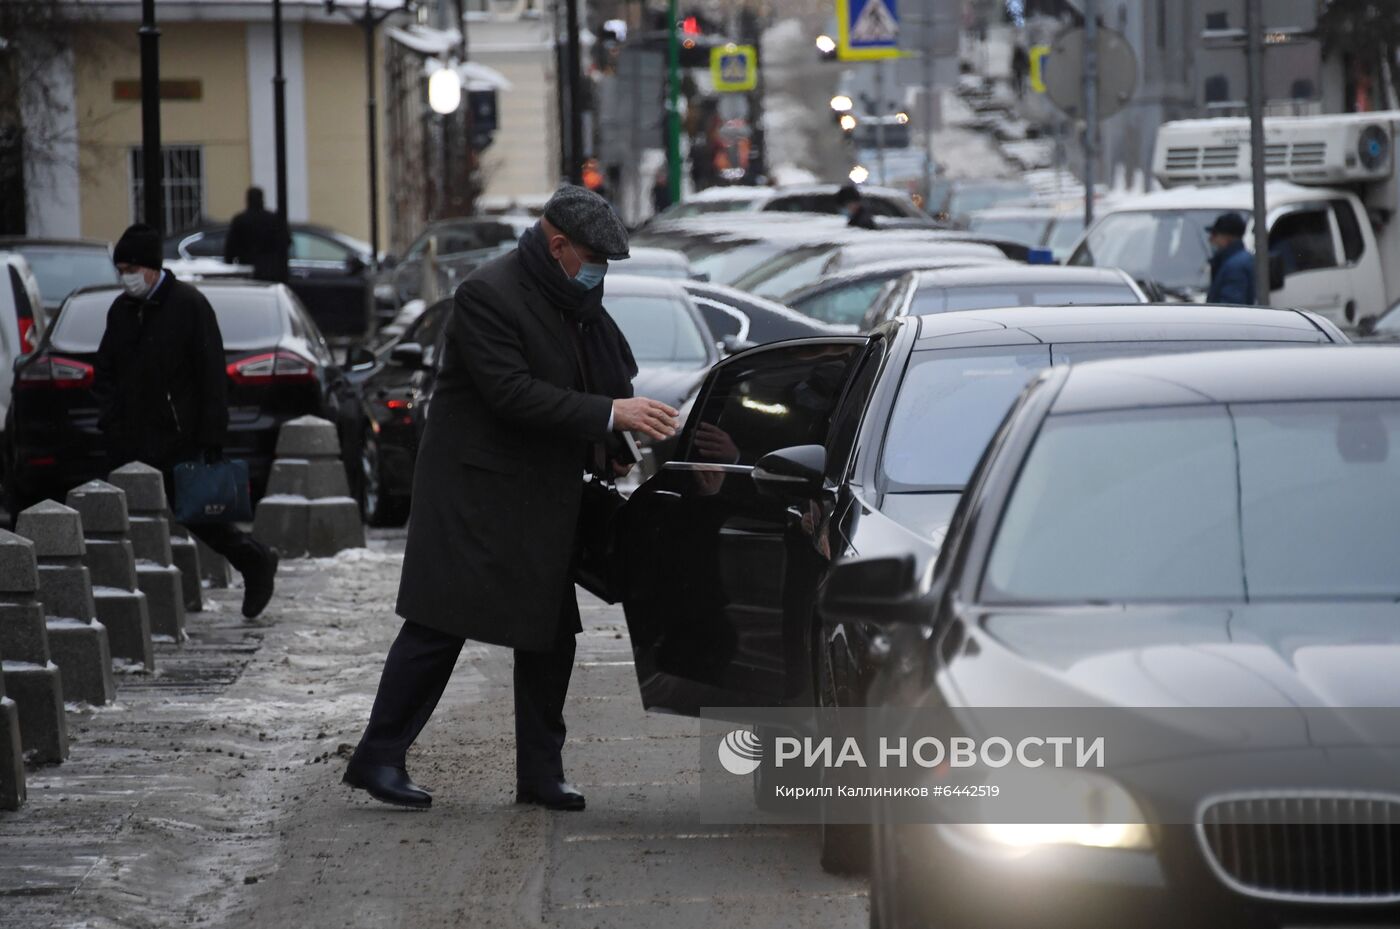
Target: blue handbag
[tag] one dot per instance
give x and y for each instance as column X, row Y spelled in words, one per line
column 212, row 492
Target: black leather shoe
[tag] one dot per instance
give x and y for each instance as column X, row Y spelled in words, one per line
column 257, row 585
column 550, row 793
column 387, row 784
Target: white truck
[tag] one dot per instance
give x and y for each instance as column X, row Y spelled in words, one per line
column 1332, row 196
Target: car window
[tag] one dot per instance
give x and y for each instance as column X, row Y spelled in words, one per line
column 724, row 321
column 729, row 263
column 882, row 308
column 1304, row 239
column 772, row 399
column 60, row 271
column 24, row 309
column 205, row 244
column 1353, row 242
column 804, row 203
column 799, row 272
column 426, row 328
column 1206, row 503
column 1165, row 246
column 882, row 206
column 844, row 305
column 1027, row 230
column 304, row 326
column 307, row 246
column 659, row 329
column 948, row 299
column 248, row 319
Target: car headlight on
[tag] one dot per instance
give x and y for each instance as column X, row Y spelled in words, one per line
column 1108, row 816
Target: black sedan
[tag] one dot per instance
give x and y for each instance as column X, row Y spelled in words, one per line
column 800, row 455
column 279, row 367
column 1154, row 536
column 329, row 271
column 739, row 320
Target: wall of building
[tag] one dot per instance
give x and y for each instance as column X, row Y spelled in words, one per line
column 522, row 164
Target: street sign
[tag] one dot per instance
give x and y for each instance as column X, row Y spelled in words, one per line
column 734, row 68
column 1038, row 55
column 1063, row 72
column 867, row 30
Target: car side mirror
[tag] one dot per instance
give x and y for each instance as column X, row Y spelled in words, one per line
column 881, row 590
column 793, row 473
column 408, row 354
column 732, row 345
column 359, row 358
column 1366, row 326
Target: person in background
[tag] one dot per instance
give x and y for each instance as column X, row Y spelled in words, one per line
column 1231, row 265
column 660, row 190
column 162, row 391
column 258, row 237
column 852, row 203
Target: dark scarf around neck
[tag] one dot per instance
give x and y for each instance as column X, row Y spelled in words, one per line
column 608, row 363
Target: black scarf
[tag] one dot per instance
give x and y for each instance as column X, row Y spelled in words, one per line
column 607, row 358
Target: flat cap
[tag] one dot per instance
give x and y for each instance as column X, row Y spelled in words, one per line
column 587, row 219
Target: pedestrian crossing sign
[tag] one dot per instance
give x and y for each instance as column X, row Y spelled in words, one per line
column 734, row 68
column 867, row 30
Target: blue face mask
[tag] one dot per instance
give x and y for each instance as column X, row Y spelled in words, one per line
column 589, row 275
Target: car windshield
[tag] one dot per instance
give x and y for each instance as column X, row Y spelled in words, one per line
column 60, row 271
column 844, row 304
column 248, row 319
column 1241, row 503
column 1165, row 246
column 727, row 265
column 1030, row 293
column 1028, row 230
column 659, row 329
column 1064, row 235
column 1390, row 322
column 786, row 273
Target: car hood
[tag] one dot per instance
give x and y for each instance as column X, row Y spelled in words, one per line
column 670, row 383
column 1285, row 655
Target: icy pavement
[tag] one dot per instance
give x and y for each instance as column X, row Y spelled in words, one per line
column 209, row 794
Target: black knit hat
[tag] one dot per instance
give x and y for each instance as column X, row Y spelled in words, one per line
column 140, row 246
column 587, row 219
column 1228, row 224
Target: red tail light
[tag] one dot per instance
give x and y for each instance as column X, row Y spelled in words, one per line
column 55, row 372
column 271, row 368
column 27, row 339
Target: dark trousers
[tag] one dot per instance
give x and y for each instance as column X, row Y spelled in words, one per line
column 238, row 547
column 416, row 672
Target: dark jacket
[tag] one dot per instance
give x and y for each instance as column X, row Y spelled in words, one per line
column 498, row 481
column 159, row 377
column 1232, row 276
column 862, row 218
column 257, row 237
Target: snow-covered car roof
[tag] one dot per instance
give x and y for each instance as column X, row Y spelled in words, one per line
column 1223, row 197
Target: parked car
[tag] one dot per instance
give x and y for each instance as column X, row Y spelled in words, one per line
column 844, row 298
column 62, row 266
column 650, row 261
column 919, row 293
column 872, row 439
column 963, row 198
column 673, row 346
column 394, row 395
column 279, row 367
column 796, row 198
column 1143, row 516
column 21, row 302
column 330, row 272
column 739, row 320
column 1027, row 225
column 461, row 244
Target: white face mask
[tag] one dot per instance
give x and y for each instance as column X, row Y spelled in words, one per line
column 135, row 283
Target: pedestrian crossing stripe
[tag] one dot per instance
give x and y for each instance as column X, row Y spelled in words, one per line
column 734, row 68
column 867, row 29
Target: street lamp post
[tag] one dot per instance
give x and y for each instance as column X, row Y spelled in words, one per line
column 673, row 102
column 572, row 59
column 279, row 113
column 369, row 21
column 153, row 196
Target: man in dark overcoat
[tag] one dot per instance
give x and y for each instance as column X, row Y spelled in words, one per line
column 534, row 385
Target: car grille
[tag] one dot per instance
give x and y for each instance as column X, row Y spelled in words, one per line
column 1308, row 848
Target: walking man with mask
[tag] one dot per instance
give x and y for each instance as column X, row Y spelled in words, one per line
column 535, row 384
column 162, row 391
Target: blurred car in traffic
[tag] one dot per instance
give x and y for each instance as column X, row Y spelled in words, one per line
column 948, row 290
column 650, row 261
column 1130, row 543
column 963, row 198
column 739, row 320
column 843, row 298
column 62, row 266
column 872, row 439
column 279, row 367
column 459, row 245
column 1027, row 225
column 330, row 272
column 795, row 198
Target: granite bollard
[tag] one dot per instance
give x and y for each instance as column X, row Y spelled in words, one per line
column 11, row 752
column 308, row 509
column 111, row 563
column 77, row 640
column 156, row 574
column 31, row 678
column 184, row 554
